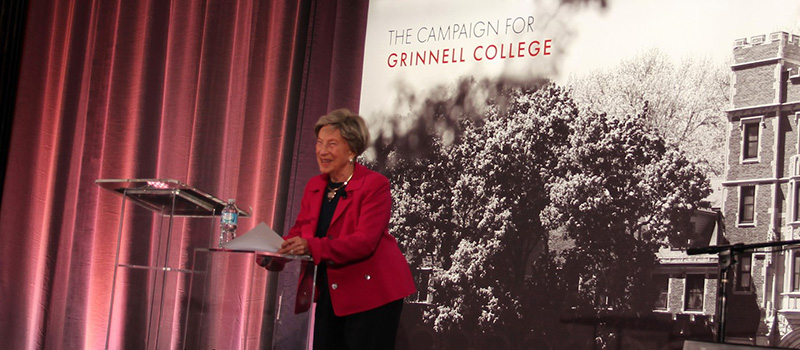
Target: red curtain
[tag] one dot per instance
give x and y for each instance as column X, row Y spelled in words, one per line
column 219, row 94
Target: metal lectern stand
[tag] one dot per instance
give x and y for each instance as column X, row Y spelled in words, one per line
column 151, row 263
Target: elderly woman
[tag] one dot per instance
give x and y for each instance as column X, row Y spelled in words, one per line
column 362, row 276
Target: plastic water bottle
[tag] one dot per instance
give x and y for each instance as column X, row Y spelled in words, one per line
column 228, row 222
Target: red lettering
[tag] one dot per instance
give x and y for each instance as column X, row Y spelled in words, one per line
column 445, row 55
column 392, row 60
column 494, row 54
column 420, row 58
column 547, row 46
column 535, row 50
column 475, row 53
column 521, row 49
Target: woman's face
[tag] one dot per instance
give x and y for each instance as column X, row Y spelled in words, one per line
column 333, row 154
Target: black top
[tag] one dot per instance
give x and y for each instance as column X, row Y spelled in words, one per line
column 325, row 216
column 328, row 208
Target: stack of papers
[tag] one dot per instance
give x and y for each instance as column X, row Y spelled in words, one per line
column 260, row 239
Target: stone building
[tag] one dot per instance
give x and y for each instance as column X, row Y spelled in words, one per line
column 761, row 197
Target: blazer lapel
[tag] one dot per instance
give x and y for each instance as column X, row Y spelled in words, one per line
column 345, row 202
column 318, row 190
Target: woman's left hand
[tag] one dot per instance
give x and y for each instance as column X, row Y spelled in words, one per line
column 294, row 246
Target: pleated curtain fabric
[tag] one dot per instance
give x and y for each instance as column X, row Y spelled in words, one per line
column 218, row 94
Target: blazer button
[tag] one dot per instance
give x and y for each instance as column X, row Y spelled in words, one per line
column 330, row 262
column 334, row 286
column 367, row 277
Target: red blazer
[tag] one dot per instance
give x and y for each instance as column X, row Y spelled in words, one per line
column 365, row 266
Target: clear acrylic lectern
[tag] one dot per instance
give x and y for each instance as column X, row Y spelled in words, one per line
column 155, row 243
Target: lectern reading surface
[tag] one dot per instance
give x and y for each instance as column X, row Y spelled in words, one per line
column 160, row 194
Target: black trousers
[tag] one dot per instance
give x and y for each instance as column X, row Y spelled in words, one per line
column 371, row 329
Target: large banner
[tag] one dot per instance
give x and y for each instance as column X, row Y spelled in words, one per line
column 552, row 161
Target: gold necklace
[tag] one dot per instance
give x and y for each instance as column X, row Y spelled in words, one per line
column 332, row 191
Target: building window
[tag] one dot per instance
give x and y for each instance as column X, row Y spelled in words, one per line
column 796, row 272
column 744, row 277
column 661, row 282
column 750, row 146
column 747, row 200
column 796, row 201
column 695, row 285
column 423, row 280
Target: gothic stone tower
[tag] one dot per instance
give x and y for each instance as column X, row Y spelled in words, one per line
column 762, row 189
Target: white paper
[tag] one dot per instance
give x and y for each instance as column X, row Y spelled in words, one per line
column 261, row 238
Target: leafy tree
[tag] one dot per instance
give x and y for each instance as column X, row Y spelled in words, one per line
column 502, row 162
column 471, row 205
column 623, row 193
column 686, row 101
column 421, row 214
column 530, row 208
